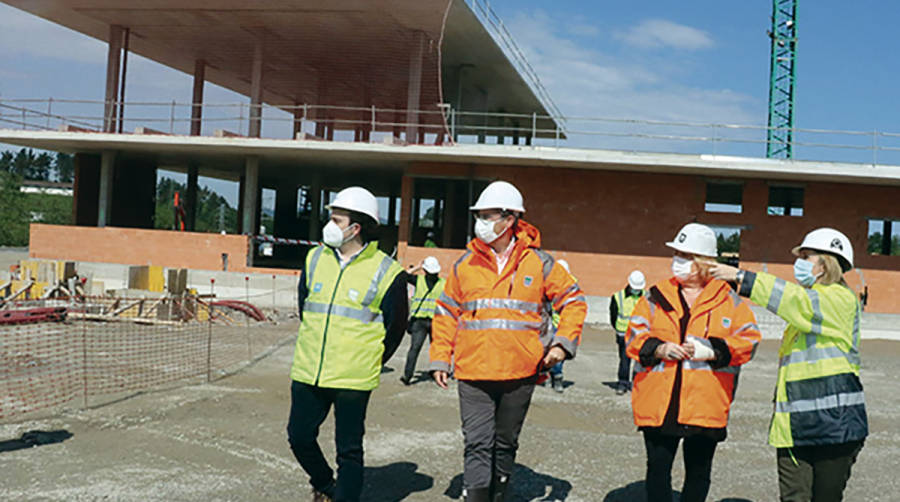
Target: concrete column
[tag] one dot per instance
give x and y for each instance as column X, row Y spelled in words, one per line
column 104, row 201
column 414, row 93
column 256, row 89
column 250, row 196
column 190, row 198
column 197, row 99
column 113, row 67
column 449, row 214
column 298, row 120
column 315, row 193
column 406, row 198
column 483, row 119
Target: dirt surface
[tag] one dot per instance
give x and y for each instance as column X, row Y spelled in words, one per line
column 226, row 440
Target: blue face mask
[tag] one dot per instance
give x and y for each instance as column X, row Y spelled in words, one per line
column 803, row 272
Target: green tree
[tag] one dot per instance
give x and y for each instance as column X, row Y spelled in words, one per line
column 64, row 167
column 212, row 209
column 14, row 216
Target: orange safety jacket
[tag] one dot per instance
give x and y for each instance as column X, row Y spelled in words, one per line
column 706, row 390
column 492, row 326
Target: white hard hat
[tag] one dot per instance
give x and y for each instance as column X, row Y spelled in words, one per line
column 356, row 199
column 829, row 240
column 499, row 195
column 636, row 280
column 695, row 238
column 431, row 265
column 565, row 265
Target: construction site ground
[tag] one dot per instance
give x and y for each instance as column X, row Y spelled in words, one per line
column 226, row 440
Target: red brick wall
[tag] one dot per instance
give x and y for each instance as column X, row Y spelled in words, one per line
column 133, row 246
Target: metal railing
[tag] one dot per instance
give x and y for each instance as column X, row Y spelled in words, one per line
column 437, row 126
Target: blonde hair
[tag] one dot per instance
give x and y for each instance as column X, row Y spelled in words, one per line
column 832, row 273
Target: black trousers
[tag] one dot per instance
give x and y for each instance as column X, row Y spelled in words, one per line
column 309, row 407
column 816, row 473
column 492, row 415
column 420, row 329
column 698, row 457
column 624, row 361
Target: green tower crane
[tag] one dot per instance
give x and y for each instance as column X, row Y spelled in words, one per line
column 782, row 79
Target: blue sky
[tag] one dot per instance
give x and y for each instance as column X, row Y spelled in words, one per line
column 697, row 61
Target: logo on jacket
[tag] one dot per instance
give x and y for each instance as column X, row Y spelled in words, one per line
column 317, row 288
column 836, row 244
column 528, row 280
column 726, row 322
column 682, row 237
column 353, row 294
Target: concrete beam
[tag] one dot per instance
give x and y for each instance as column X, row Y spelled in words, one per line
column 104, row 201
column 113, row 67
column 249, row 201
column 406, row 209
column 414, row 92
column 256, row 89
column 197, row 99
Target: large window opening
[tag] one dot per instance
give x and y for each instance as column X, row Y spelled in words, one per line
column 440, row 212
column 785, row 201
column 724, row 197
column 884, row 237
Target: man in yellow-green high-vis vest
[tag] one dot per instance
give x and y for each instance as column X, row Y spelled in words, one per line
column 429, row 287
column 620, row 306
column 353, row 312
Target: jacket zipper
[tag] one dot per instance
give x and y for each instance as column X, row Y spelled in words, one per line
column 328, row 320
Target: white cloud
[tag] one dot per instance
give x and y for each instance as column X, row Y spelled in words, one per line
column 25, row 34
column 656, row 33
column 589, row 82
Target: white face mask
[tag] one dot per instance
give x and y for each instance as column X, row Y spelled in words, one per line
column 333, row 236
column 484, row 230
column 681, row 268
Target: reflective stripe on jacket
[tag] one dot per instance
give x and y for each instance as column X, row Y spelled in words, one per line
column 818, row 395
column 424, row 301
column 341, row 336
column 490, row 325
column 625, row 306
column 706, row 392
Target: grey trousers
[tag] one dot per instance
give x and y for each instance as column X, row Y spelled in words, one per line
column 816, row 473
column 492, row 415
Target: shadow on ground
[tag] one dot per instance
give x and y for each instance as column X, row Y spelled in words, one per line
column 391, row 482
column 31, row 439
column 634, row 492
column 527, row 485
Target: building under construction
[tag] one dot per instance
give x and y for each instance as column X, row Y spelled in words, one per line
column 423, row 102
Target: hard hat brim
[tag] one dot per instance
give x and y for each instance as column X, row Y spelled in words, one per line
column 483, row 208
column 677, row 247
column 345, row 208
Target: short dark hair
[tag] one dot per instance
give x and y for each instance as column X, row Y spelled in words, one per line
column 367, row 225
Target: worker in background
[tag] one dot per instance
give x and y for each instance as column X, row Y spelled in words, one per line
column 621, row 304
column 429, row 287
column 556, row 371
column 690, row 335
column 490, row 324
column 429, row 240
column 353, row 308
column 819, row 424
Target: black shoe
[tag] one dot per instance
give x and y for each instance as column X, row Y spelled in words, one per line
column 406, row 380
column 558, row 383
column 498, row 488
column 478, row 495
column 622, row 388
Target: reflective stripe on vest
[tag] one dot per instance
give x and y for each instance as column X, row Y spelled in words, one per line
column 423, row 306
column 341, row 337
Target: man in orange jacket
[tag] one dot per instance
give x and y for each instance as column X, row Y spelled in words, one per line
column 491, row 322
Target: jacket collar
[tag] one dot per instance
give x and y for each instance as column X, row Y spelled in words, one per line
column 714, row 293
column 527, row 236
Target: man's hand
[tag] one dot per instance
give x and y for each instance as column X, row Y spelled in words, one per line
column 555, row 355
column 723, row 272
column 440, row 378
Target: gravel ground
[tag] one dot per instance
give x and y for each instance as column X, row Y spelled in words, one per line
column 226, row 440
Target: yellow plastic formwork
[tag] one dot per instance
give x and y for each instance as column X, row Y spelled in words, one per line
column 147, row 278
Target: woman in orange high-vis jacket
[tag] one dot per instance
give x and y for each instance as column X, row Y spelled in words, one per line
column 690, row 334
column 491, row 324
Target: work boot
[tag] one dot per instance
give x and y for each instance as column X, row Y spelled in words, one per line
column 500, row 484
column 558, row 383
column 406, row 380
column 477, row 495
column 621, row 388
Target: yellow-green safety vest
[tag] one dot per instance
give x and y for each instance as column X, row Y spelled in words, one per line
column 341, row 337
column 425, row 302
column 818, row 395
column 626, row 307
